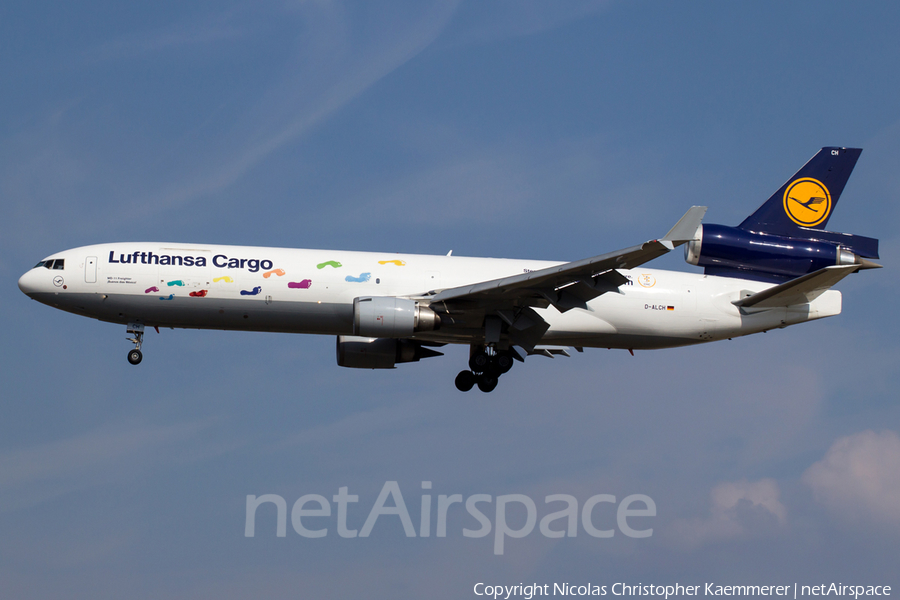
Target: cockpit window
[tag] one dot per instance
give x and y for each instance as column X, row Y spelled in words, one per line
column 57, row 265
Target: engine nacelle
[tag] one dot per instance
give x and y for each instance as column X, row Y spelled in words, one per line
column 737, row 252
column 378, row 353
column 389, row 317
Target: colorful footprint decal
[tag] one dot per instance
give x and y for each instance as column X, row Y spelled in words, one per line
column 399, row 263
column 226, row 279
column 279, row 272
column 364, row 277
column 252, row 292
column 169, row 298
column 177, row 282
column 300, row 285
column 199, row 293
column 151, row 289
column 329, row 263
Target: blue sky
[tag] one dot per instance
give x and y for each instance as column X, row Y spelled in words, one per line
column 523, row 130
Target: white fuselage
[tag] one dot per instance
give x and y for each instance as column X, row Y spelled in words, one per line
column 312, row 291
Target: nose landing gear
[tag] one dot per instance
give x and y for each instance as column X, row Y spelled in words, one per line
column 487, row 364
column 135, row 356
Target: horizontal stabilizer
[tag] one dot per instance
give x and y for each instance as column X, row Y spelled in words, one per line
column 802, row 290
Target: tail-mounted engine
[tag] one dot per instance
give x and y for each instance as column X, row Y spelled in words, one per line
column 735, row 252
column 389, row 317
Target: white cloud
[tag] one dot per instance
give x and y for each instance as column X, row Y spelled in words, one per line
column 727, row 497
column 738, row 508
column 859, row 477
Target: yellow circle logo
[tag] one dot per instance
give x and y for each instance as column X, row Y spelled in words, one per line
column 647, row 280
column 807, row 202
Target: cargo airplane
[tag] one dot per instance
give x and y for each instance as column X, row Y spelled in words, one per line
column 773, row 270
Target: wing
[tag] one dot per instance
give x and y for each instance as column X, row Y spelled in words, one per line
column 566, row 286
column 576, row 281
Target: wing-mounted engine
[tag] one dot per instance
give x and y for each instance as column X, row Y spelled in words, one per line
column 379, row 353
column 390, row 317
column 736, row 252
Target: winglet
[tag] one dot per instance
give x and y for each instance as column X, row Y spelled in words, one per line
column 686, row 228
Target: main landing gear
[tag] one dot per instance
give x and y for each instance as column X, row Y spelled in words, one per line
column 487, row 365
column 135, row 356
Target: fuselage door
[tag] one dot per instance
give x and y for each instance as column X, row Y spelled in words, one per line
column 90, row 269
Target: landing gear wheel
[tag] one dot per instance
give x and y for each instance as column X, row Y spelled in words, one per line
column 465, row 381
column 487, row 383
column 479, row 361
column 135, row 356
column 504, row 362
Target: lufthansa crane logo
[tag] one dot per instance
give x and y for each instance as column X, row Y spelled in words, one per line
column 807, row 202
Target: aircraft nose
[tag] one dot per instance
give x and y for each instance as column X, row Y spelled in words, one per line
column 29, row 283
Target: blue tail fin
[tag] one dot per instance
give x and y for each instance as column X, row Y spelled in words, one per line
column 785, row 238
column 804, row 204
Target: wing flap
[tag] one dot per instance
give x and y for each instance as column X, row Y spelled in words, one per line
column 526, row 327
column 550, row 351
